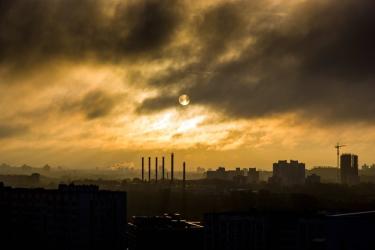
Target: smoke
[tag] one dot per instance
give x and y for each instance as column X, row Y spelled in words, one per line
column 7, row 131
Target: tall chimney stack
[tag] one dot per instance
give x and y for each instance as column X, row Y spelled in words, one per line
column 149, row 169
column 143, row 169
column 162, row 168
column 183, row 174
column 156, row 169
column 172, row 166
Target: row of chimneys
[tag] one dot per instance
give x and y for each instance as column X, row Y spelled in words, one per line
column 162, row 169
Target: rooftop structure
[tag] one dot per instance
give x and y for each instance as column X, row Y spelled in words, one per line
column 168, row 231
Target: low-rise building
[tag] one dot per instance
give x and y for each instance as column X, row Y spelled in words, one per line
column 243, row 176
column 165, row 232
column 313, row 179
column 289, row 231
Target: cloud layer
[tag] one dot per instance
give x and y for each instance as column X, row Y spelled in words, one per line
column 244, row 58
column 109, row 30
column 7, row 131
column 316, row 58
column 102, row 75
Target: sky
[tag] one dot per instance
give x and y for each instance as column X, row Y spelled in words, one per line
column 95, row 83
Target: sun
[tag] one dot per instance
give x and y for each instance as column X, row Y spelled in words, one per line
column 184, row 100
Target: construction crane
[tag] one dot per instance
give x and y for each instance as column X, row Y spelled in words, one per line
column 338, row 146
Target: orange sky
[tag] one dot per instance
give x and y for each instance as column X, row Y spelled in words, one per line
column 103, row 108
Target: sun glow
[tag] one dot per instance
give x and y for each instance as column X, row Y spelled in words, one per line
column 190, row 124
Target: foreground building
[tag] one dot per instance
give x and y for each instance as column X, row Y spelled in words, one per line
column 71, row 217
column 165, row 232
column 289, row 231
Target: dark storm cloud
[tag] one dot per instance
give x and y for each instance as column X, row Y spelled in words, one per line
column 152, row 104
column 97, row 104
column 33, row 31
column 93, row 105
column 8, row 131
column 318, row 60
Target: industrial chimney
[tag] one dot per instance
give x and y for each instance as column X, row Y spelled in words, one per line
column 143, row 169
column 149, row 169
column 172, row 166
column 156, row 169
column 162, row 168
column 183, row 174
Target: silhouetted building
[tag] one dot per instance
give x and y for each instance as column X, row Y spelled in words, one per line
column 292, row 173
column 165, row 232
column 71, row 217
column 327, row 174
column 313, row 179
column 289, row 231
column 219, row 174
column 32, row 180
column 250, row 175
column 349, row 169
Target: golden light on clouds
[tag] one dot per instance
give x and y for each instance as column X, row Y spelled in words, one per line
column 264, row 81
column 123, row 129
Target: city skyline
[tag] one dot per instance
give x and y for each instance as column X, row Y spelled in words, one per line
column 97, row 83
column 190, row 125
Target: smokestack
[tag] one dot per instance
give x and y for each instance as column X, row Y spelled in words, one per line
column 149, row 169
column 172, row 166
column 143, row 169
column 162, row 168
column 183, row 174
column 156, row 169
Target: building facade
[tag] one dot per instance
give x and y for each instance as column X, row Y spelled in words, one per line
column 67, row 218
column 167, row 232
column 349, row 169
column 243, row 176
column 289, row 173
column 289, row 231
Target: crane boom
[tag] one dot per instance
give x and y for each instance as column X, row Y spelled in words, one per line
column 338, row 146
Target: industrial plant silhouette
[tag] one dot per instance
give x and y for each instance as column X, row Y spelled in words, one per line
column 224, row 209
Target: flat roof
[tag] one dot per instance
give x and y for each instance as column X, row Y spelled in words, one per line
column 353, row 213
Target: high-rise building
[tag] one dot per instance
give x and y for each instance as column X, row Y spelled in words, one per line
column 289, row 173
column 67, row 218
column 349, row 169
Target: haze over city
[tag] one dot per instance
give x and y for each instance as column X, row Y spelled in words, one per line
column 189, row 125
column 87, row 84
